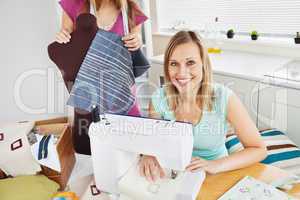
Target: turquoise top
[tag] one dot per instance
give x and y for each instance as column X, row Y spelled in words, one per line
column 210, row 132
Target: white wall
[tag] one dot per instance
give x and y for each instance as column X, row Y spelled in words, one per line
column 31, row 87
column 160, row 41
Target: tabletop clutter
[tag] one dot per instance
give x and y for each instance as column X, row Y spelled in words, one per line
column 39, row 158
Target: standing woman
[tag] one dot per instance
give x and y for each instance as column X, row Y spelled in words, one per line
column 109, row 18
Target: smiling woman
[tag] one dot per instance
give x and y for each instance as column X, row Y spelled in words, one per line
column 188, row 72
column 190, row 95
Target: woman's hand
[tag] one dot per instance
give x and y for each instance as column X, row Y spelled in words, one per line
column 150, row 168
column 132, row 41
column 210, row 166
column 63, row 36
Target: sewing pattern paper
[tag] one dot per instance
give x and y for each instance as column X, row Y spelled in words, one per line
column 251, row 189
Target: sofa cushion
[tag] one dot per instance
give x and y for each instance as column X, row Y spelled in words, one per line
column 32, row 187
column 282, row 152
column 14, row 147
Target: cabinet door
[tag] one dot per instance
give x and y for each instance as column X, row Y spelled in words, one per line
column 246, row 90
column 293, row 115
column 272, row 112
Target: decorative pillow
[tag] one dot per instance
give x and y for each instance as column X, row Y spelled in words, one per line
column 15, row 153
column 37, row 187
column 282, row 152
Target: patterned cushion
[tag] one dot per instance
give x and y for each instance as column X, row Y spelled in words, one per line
column 15, row 154
column 282, row 152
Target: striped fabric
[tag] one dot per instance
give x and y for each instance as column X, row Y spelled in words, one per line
column 105, row 76
column 282, row 152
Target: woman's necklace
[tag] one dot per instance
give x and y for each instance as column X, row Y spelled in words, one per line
column 102, row 25
column 105, row 27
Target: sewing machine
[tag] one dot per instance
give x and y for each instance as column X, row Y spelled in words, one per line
column 116, row 144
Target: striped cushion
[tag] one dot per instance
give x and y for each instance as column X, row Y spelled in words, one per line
column 282, row 152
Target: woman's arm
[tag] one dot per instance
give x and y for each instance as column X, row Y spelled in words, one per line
column 67, row 24
column 254, row 148
column 148, row 165
column 133, row 40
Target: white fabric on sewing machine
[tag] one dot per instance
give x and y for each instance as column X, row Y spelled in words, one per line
column 184, row 187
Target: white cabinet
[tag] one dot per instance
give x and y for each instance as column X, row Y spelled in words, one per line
column 272, row 112
column 246, row 90
column 279, row 108
column 293, row 115
column 293, row 123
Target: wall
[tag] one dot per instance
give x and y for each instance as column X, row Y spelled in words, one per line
column 31, row 88
column 160, row 40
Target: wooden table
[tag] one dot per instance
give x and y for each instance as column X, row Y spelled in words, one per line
column 215, row 186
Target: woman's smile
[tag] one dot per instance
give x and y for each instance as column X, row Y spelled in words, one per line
column 183, row 81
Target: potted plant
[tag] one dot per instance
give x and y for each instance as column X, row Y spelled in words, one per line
column 297, row 38
column 230, row 33
column 254, row 35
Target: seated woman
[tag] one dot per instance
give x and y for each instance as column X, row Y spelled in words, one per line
column 190, row 95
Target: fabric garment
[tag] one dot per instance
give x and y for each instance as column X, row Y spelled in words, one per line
column 105, row 76
column 140, row 63
column 68, row 58
column 75, row 7
column 210, row 132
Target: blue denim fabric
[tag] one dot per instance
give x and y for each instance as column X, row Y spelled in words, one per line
column 105, row 77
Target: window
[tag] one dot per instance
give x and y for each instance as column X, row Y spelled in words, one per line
column 268, row 17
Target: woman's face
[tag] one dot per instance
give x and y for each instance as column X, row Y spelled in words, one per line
column 185, row 67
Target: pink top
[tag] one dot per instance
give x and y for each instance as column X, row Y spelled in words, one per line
column 73, row 8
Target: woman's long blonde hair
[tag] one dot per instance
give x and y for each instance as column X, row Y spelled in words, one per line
column 131, row 5
column 205, row 95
